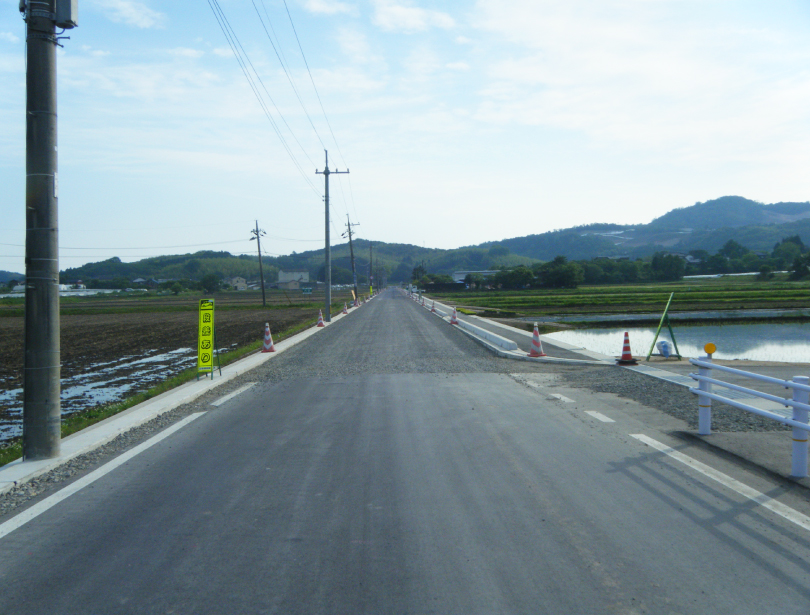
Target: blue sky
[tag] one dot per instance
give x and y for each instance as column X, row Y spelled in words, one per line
column 461, row 122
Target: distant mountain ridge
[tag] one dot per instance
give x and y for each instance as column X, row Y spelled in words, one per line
column 702, row 226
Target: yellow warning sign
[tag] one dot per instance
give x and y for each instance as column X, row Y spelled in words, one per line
column 205, row 351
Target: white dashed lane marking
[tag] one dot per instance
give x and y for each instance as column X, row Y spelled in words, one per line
column 600, row 416
column 559, row 397
column 242, row 389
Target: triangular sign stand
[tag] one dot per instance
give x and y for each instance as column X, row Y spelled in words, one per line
column 665, row 321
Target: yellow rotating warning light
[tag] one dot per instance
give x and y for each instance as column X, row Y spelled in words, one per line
column 710, row 348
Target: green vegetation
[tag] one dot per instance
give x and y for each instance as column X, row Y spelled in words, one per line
column 705, row 294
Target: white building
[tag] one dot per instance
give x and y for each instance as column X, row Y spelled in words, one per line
column 295, row 275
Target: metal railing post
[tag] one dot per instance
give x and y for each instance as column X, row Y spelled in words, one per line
column 799, row 465
column 705, row 403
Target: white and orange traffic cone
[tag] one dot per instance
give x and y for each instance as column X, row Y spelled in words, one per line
column 423, row 302
column 454, row 318
column 627, row 356
column 268, row 346
column 320, row 319
column 356, row 302
column 433, row 307
column 345, row 308
column 537, row 346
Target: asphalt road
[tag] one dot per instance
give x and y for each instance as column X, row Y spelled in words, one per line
column 391, row 465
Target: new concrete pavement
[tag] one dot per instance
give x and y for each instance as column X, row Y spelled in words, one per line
column 390, row 464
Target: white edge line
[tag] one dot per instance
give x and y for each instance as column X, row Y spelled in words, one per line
column 600, row 416
column 52, row 500
column 233, row 394
column 786, row 512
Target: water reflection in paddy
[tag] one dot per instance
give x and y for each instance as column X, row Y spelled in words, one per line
column 754, row 342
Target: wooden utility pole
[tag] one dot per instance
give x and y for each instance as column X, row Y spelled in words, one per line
column 257, row 235
column 348, row 232
column 328, row 248
column 42, row 420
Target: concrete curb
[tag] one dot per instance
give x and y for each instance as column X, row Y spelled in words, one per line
column 508, row 354
column 19, row 471
column 517, row 355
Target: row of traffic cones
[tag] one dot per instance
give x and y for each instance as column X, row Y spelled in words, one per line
column 536, row 349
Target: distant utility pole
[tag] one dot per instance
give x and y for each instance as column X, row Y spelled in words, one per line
column 370, row 270
column 257, row 235
column 328, row 248
column 42, row 417
column 348, row 232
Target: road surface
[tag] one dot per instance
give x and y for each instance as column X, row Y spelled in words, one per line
column 389, row 464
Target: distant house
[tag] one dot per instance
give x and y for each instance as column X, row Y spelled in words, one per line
column 139, row 281
column 458, row 276
column 295, row 275
column 237, row 283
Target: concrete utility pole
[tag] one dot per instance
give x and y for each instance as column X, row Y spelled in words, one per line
column 328, row 249
column 41, row 387
column 257, row 235
column 348, row 232
column 370, row 270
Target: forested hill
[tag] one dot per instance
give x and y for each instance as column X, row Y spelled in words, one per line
column 702, row 226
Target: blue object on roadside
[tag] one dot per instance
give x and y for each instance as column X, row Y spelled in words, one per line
column 664, row 348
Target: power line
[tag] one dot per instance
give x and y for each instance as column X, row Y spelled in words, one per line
column 320, row 102
column 286, row 72
column 236, row 45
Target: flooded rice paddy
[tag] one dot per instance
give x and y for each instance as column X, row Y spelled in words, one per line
column 101, row 383
column 753, row 342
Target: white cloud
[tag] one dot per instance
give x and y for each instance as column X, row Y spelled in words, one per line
column 642, row 75
column 400, row 17
column 463, row 66
column 185, row 52
column 328, row 7
column 223, row 52
column 131, row 12
column 8, row 36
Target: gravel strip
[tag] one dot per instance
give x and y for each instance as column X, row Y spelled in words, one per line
column 668, row 397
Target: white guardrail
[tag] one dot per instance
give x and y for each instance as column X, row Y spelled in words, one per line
column 800, row 404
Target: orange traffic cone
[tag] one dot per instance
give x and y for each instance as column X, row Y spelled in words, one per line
column 345, row 309
column 356, row 302
column 268, row 346
column 423, row 301
column 537, row 346
column 433, row 307
column 454, row 318
column 627, row 356
column 320, row 319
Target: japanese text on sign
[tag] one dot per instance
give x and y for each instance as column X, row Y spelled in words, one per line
column 205, row 351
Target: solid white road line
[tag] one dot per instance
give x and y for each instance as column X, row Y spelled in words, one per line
column 51, row 501
column 786, row 512
column 225, row 398
column 600, row 416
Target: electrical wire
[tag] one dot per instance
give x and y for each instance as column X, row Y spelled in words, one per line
column 236, row 45
column 286, row 72
column 320, row 102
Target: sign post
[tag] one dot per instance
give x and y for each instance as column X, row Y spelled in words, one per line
column 207, row 340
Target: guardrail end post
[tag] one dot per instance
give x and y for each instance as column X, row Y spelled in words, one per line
column 799, row 464
column 705, row 403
